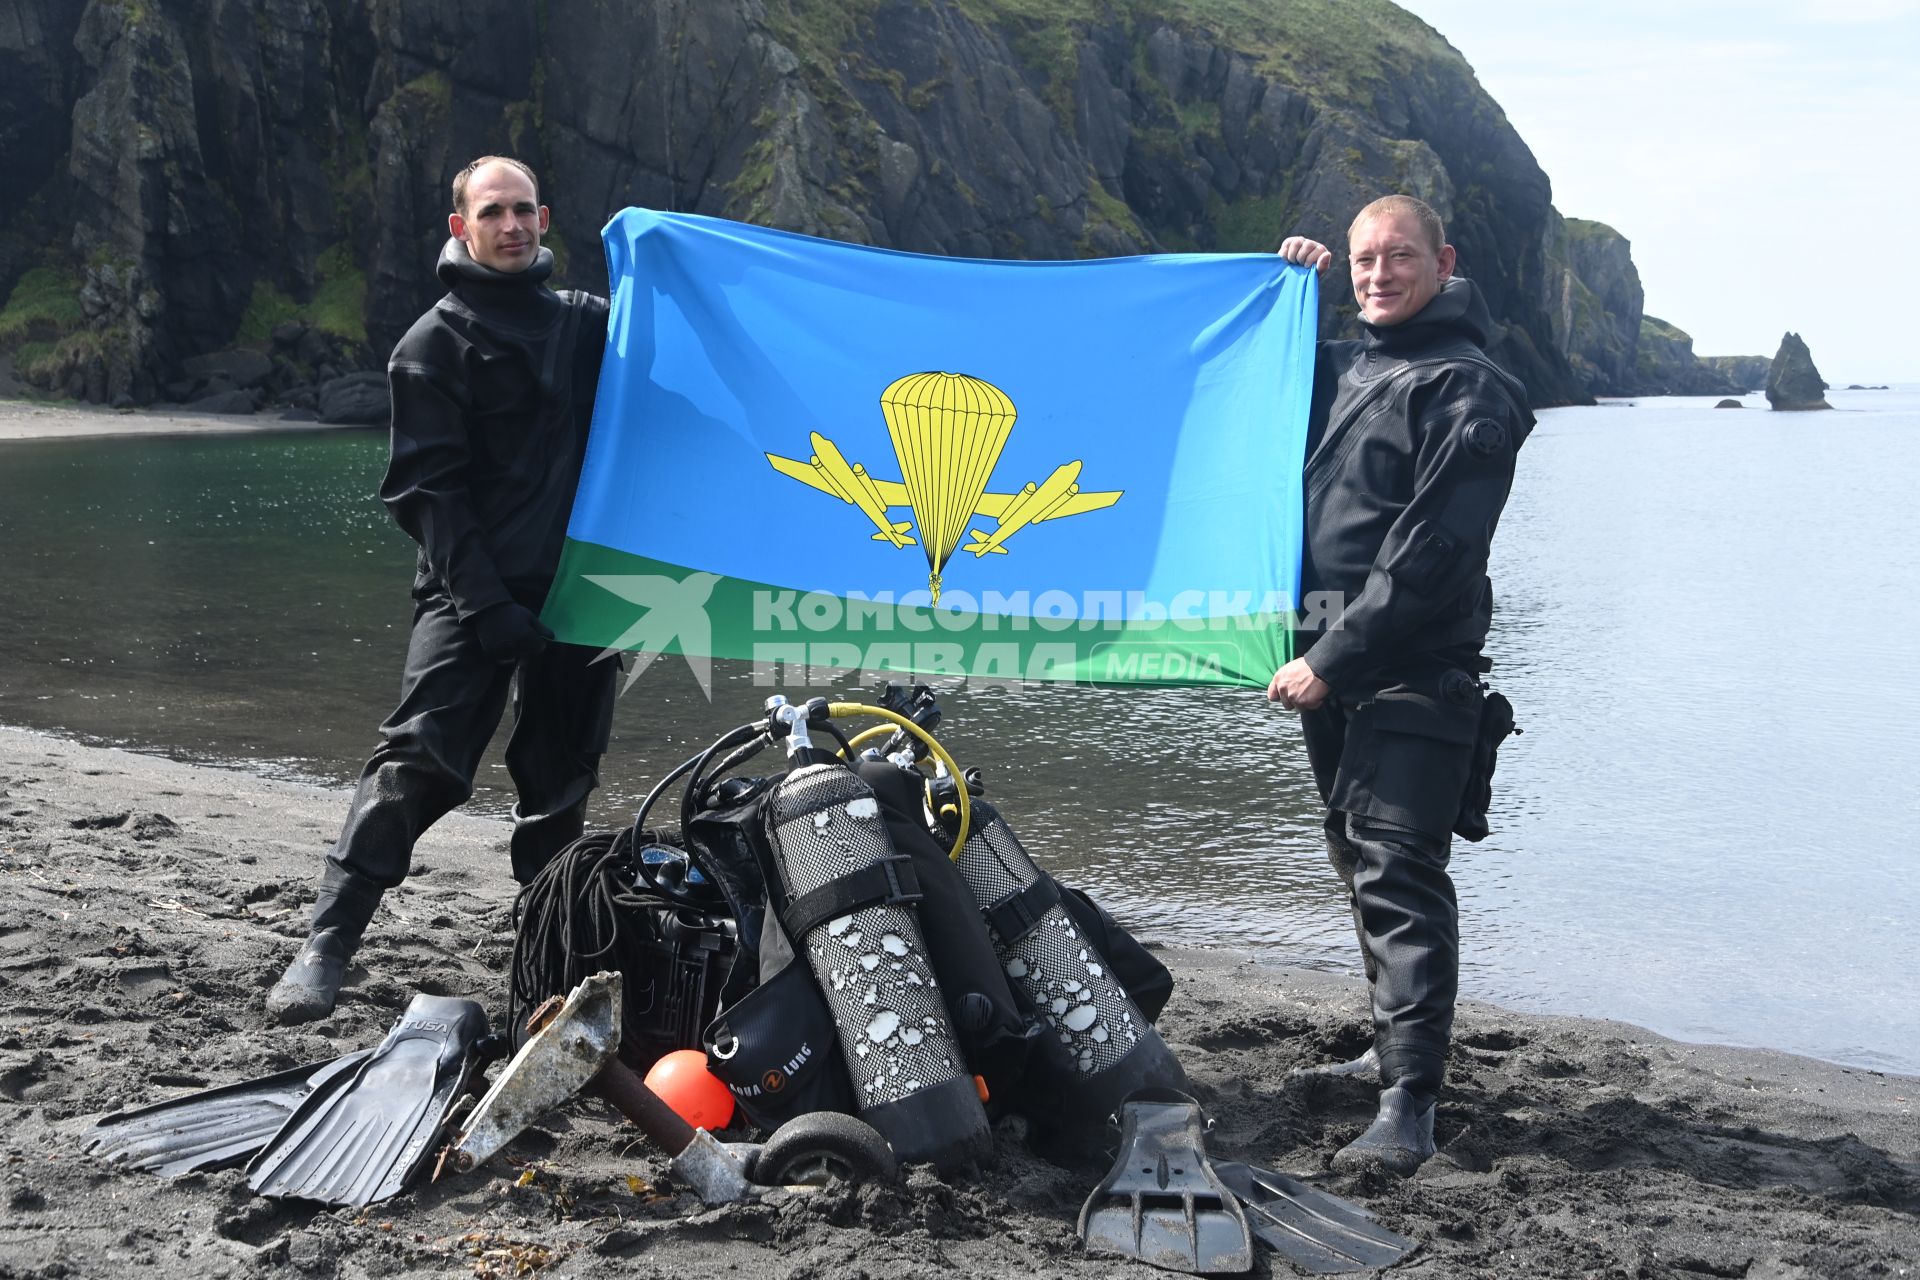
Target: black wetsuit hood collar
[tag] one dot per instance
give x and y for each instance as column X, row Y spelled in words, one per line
column 1457, row 310
column 457, row 270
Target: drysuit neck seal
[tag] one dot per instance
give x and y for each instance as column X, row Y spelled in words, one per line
column 459, row 272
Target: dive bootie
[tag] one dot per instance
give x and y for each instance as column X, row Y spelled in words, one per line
column 1367, row 1064
column 341, row 910
column 307, row 990
column 1400, row 1139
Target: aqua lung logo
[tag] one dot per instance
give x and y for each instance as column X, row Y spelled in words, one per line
column 774, row 1079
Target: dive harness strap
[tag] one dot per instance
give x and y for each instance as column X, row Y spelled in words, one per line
column 889, row 880
column 1018, row 914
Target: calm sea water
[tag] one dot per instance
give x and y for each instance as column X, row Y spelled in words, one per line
column 1707, row 620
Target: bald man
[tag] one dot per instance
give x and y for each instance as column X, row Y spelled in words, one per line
column 1410, row 458
column 492, row 397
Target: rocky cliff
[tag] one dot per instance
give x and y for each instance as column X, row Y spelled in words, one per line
column 1593, row 299
column 206, row 174
column 1597, row 309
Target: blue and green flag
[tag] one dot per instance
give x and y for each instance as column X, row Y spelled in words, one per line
column 830, row 458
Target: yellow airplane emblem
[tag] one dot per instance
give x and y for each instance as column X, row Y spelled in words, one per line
column 948, row 430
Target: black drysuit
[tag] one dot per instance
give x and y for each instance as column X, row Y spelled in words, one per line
column 492, row 395
column 1410, row 458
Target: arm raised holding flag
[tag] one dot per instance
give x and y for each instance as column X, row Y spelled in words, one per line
column 1410, row 457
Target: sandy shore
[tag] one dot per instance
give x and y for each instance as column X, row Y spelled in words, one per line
column 147, row 904
column 35, row 420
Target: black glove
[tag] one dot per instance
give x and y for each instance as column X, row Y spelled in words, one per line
column 509, row 631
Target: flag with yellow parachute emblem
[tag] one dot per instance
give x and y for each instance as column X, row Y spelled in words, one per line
column 843, row 459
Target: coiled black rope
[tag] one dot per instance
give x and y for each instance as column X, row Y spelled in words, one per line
column 590, row 908
column 586, row 911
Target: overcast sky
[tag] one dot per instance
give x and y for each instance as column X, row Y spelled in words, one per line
column 1761, row 157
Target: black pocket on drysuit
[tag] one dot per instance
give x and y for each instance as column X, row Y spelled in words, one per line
column 1407, row 759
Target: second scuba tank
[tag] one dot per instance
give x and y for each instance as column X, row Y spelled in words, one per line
column 851, row 913
column 1114, row 1048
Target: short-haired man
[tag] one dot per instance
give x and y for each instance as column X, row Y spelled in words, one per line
column 492, row 396
column 1410, row 457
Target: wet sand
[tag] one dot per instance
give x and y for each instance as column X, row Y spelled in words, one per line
column 147, row 905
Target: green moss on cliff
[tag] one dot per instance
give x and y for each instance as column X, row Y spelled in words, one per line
column 267, row 309
column 339, row 305
column 1105, row 211
column 1248, row 226
column 41, row 363
column 433, row 91
column 1200, row 119
column 1342, row 48
column 1579, row 229
column 1332, row 49
column 1044, row 36
column 1659, row 330
column 43, row 307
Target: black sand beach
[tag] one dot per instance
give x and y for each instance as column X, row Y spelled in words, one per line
column 148, row 904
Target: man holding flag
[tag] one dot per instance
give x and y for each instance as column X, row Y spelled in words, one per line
column 1410, row 456
column 492, row 396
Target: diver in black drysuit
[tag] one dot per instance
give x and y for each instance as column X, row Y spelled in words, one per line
column 1410, row 457
column 492, row 397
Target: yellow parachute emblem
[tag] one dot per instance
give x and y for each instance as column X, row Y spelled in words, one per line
column 948, row 430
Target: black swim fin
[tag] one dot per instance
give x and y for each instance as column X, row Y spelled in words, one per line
column 214, row 1128
column 1162, row 1202
column 364, row 1134
column 1319, row 1233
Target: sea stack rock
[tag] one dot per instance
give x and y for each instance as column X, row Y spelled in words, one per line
column 1793, row 382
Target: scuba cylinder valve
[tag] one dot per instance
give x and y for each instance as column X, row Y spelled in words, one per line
column 850, row 910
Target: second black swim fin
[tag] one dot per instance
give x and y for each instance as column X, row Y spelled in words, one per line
column 214, row 1128
column 1162, row 1202
column 1319, row 1233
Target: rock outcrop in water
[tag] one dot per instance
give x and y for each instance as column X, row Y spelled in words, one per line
column 198, row 175
column 1794, row 383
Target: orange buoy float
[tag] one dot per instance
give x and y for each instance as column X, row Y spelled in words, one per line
column 696, row 1095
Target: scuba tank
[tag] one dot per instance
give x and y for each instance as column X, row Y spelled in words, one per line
column 1053, row 959
column 1058, row 951
column 849, row 910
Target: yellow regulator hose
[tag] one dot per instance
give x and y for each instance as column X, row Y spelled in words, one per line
column 842, row 710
